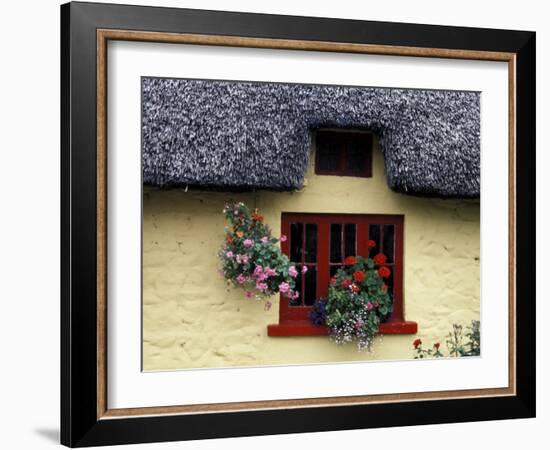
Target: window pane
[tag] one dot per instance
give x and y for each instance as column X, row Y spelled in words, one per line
column 335, row 243
column 296, row 230
column 297, row 301
column 374, row 235
column 311, row 242
column 350, row 239
column 389, row 282
column 356, row 155
column 388, row 242
column 329, row 153
column 311, row 286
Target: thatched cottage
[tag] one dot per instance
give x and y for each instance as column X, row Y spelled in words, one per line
column 328, row 166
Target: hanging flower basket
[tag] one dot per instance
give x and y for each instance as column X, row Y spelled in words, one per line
column 251, row 258
column 358, row 300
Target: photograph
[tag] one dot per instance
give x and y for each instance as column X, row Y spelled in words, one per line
column 288, row 223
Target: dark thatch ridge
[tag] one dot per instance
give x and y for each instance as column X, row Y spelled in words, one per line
column 227, row 134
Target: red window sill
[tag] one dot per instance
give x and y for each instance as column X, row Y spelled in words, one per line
column 304, row 328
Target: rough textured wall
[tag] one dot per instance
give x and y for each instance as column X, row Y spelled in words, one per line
column 191, row 318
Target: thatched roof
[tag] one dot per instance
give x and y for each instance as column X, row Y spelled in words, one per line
column 236, row 135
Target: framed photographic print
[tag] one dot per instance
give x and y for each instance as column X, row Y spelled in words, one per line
column 276, row 224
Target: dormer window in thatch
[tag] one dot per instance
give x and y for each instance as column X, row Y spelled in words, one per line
column 343, row 153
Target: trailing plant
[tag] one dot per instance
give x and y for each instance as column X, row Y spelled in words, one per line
column 358, row 300
column 251, row 258
column 458, row 343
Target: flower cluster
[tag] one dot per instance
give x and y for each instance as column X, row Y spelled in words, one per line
column 358, row 300
column 421, row 353
column 456, row 344
column 251, row 258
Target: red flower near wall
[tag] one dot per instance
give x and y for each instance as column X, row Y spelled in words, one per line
column 371, row 243
column 417, row 343
column 384, row 272
column 359, row 276
column 380, row 259
column 350, row 260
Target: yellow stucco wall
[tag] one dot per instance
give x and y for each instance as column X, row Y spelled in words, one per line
column 192, row 319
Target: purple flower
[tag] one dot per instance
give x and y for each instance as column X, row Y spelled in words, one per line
column 248, row 243
column 283, row 238
column 229, row 254
column 359, row 324
column 292, row 271
column 261, row 286
column 264, row 240
column 284, row 287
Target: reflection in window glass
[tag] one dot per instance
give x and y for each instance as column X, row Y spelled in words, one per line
column 296, row 232
column 311, row 242
column 335, row 243
column 388, row 244
column 350, row 240
column 310, row 286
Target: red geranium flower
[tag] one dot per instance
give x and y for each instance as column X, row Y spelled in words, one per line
column 346, row 283
column 380, row 259
column 359, row 276
column 257, row 217
column 384, row 272
column 436, row 345
column 417, row 343
column 355, row 288
column 371, row 243
column 350, row 260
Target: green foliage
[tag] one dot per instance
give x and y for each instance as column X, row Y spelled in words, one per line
column 458, row 343
column 251, row 258
column 357, row 302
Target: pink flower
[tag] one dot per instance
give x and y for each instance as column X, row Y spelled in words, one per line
column 284, row 287
column 269, row 272
column 292, row 271
column 264, row 240
column 370, row 306
column 261, row 286
column 359, row 324
column 229, row 254
column 245, row 259
column 294, row 294
column 304, row 269
column 241, row 278
column 248, row 294
column 283, row 238
column 258, row 270
column 248, row 243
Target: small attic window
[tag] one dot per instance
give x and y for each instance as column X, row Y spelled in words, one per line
column 343, row 153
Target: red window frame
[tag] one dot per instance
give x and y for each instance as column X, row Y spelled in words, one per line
column 343, row 139
column 294, row 320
